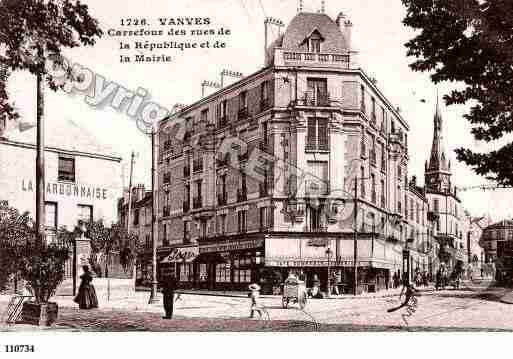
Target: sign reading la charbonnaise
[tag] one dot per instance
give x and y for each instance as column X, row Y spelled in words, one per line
column 68, row 189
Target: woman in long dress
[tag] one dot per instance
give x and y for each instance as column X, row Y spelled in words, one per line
column 86, row 297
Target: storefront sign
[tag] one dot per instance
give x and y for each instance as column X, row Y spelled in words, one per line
column 318, row 242
column 179, row 255
column 312, row 263
column 231, row 246
column 68, row 189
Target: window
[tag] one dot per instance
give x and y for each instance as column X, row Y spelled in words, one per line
column 203, row 228
column 147, row 242
column 266, row 217
column 197, row 201
column 362, row 181
column 85, row 213
column 221, row 113
column 317, row 92
column 362, row 98
column 383, row 120
column 242, row 275
column 185, row 272
column 383, row 158
column 317, row 134
column 383, row 193
column 51, row 215
column 436, row 205
column 243, row 100
column 223, row 273
column 221, row 224
column 242, row 221
column 66, row 170
column 318, row 182
column 165, row 240
column 315, row 214
column 221, row 190
column 418, row 214
column 264, row 95
column 363, row 147
column 136, row 217
column 186, row 231
column 373, row 114
column 204, row 116
column 314, row 44
column 373, row 193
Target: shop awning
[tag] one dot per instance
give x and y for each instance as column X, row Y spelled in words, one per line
column 181, row 255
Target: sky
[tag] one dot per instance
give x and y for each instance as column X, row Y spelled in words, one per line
column 378, row 35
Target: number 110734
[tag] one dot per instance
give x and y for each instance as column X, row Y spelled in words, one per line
column 21, row 348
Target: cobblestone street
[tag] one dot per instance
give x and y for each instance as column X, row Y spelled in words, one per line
column 471, row 308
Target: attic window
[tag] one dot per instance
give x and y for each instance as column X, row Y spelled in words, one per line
column 314, row 42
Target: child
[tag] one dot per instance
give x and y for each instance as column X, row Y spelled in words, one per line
column 255, row 295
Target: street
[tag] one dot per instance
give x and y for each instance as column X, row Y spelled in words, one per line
column 474, row 307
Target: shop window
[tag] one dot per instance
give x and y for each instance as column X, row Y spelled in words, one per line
column 223, row 273
column 242, row 275
column 185, row 272
column 66, row 169
column 202, row 272
column 85, row 213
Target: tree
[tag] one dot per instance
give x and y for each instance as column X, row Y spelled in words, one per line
column 470, row 42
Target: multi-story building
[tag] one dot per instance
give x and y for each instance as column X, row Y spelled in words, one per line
column 83, row 177
column 497, row 241
column 444, row 203
column 275, row 173
column 140, row 226
column 472, row 231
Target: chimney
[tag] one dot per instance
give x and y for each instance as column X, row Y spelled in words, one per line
column 345, row 25
column 272, row 30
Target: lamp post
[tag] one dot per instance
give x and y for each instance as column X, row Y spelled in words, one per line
column 328, row 290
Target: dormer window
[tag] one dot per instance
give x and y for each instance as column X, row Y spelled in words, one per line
column 314, row 41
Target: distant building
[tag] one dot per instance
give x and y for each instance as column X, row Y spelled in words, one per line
column 335, row 141
column 140, row 226
column 497, row 240
column 83, row 178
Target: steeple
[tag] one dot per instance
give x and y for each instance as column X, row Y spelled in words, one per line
column 438, row 169
column 438, row 160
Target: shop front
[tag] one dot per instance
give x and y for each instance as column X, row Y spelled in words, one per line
column 180, row 263
column 230, row 265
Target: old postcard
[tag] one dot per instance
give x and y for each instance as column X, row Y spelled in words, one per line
column 255, row 166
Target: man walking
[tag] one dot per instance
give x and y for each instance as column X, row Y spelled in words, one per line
column 168, row 291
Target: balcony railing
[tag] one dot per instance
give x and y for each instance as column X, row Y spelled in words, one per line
column 242, row 114
column 319, row 59
column 317, row 147
column 186, row 206
column 242, row 195
column 315, row 98
column 197, row 202
column 221, row 199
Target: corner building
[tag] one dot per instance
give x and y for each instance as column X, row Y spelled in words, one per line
column 334, row 141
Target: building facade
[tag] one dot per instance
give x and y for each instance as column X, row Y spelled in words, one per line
column 497, row 241
column 275, row 173
column 83, row 179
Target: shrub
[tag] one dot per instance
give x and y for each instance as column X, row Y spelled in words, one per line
column 43, row 270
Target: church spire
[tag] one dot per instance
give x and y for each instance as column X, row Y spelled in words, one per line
column 438, row 169
column 438, row 160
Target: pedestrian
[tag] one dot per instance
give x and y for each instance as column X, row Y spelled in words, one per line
column 394, row 279
column 86, row 296
column 168, row 292
column 255, row 300
column 408, row 290
column 438, row 282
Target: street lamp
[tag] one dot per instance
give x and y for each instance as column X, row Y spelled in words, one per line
column 329, row 252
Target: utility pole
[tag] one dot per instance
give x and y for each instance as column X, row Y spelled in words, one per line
column 355, row 238
column 154, row 212
column 40, row 162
